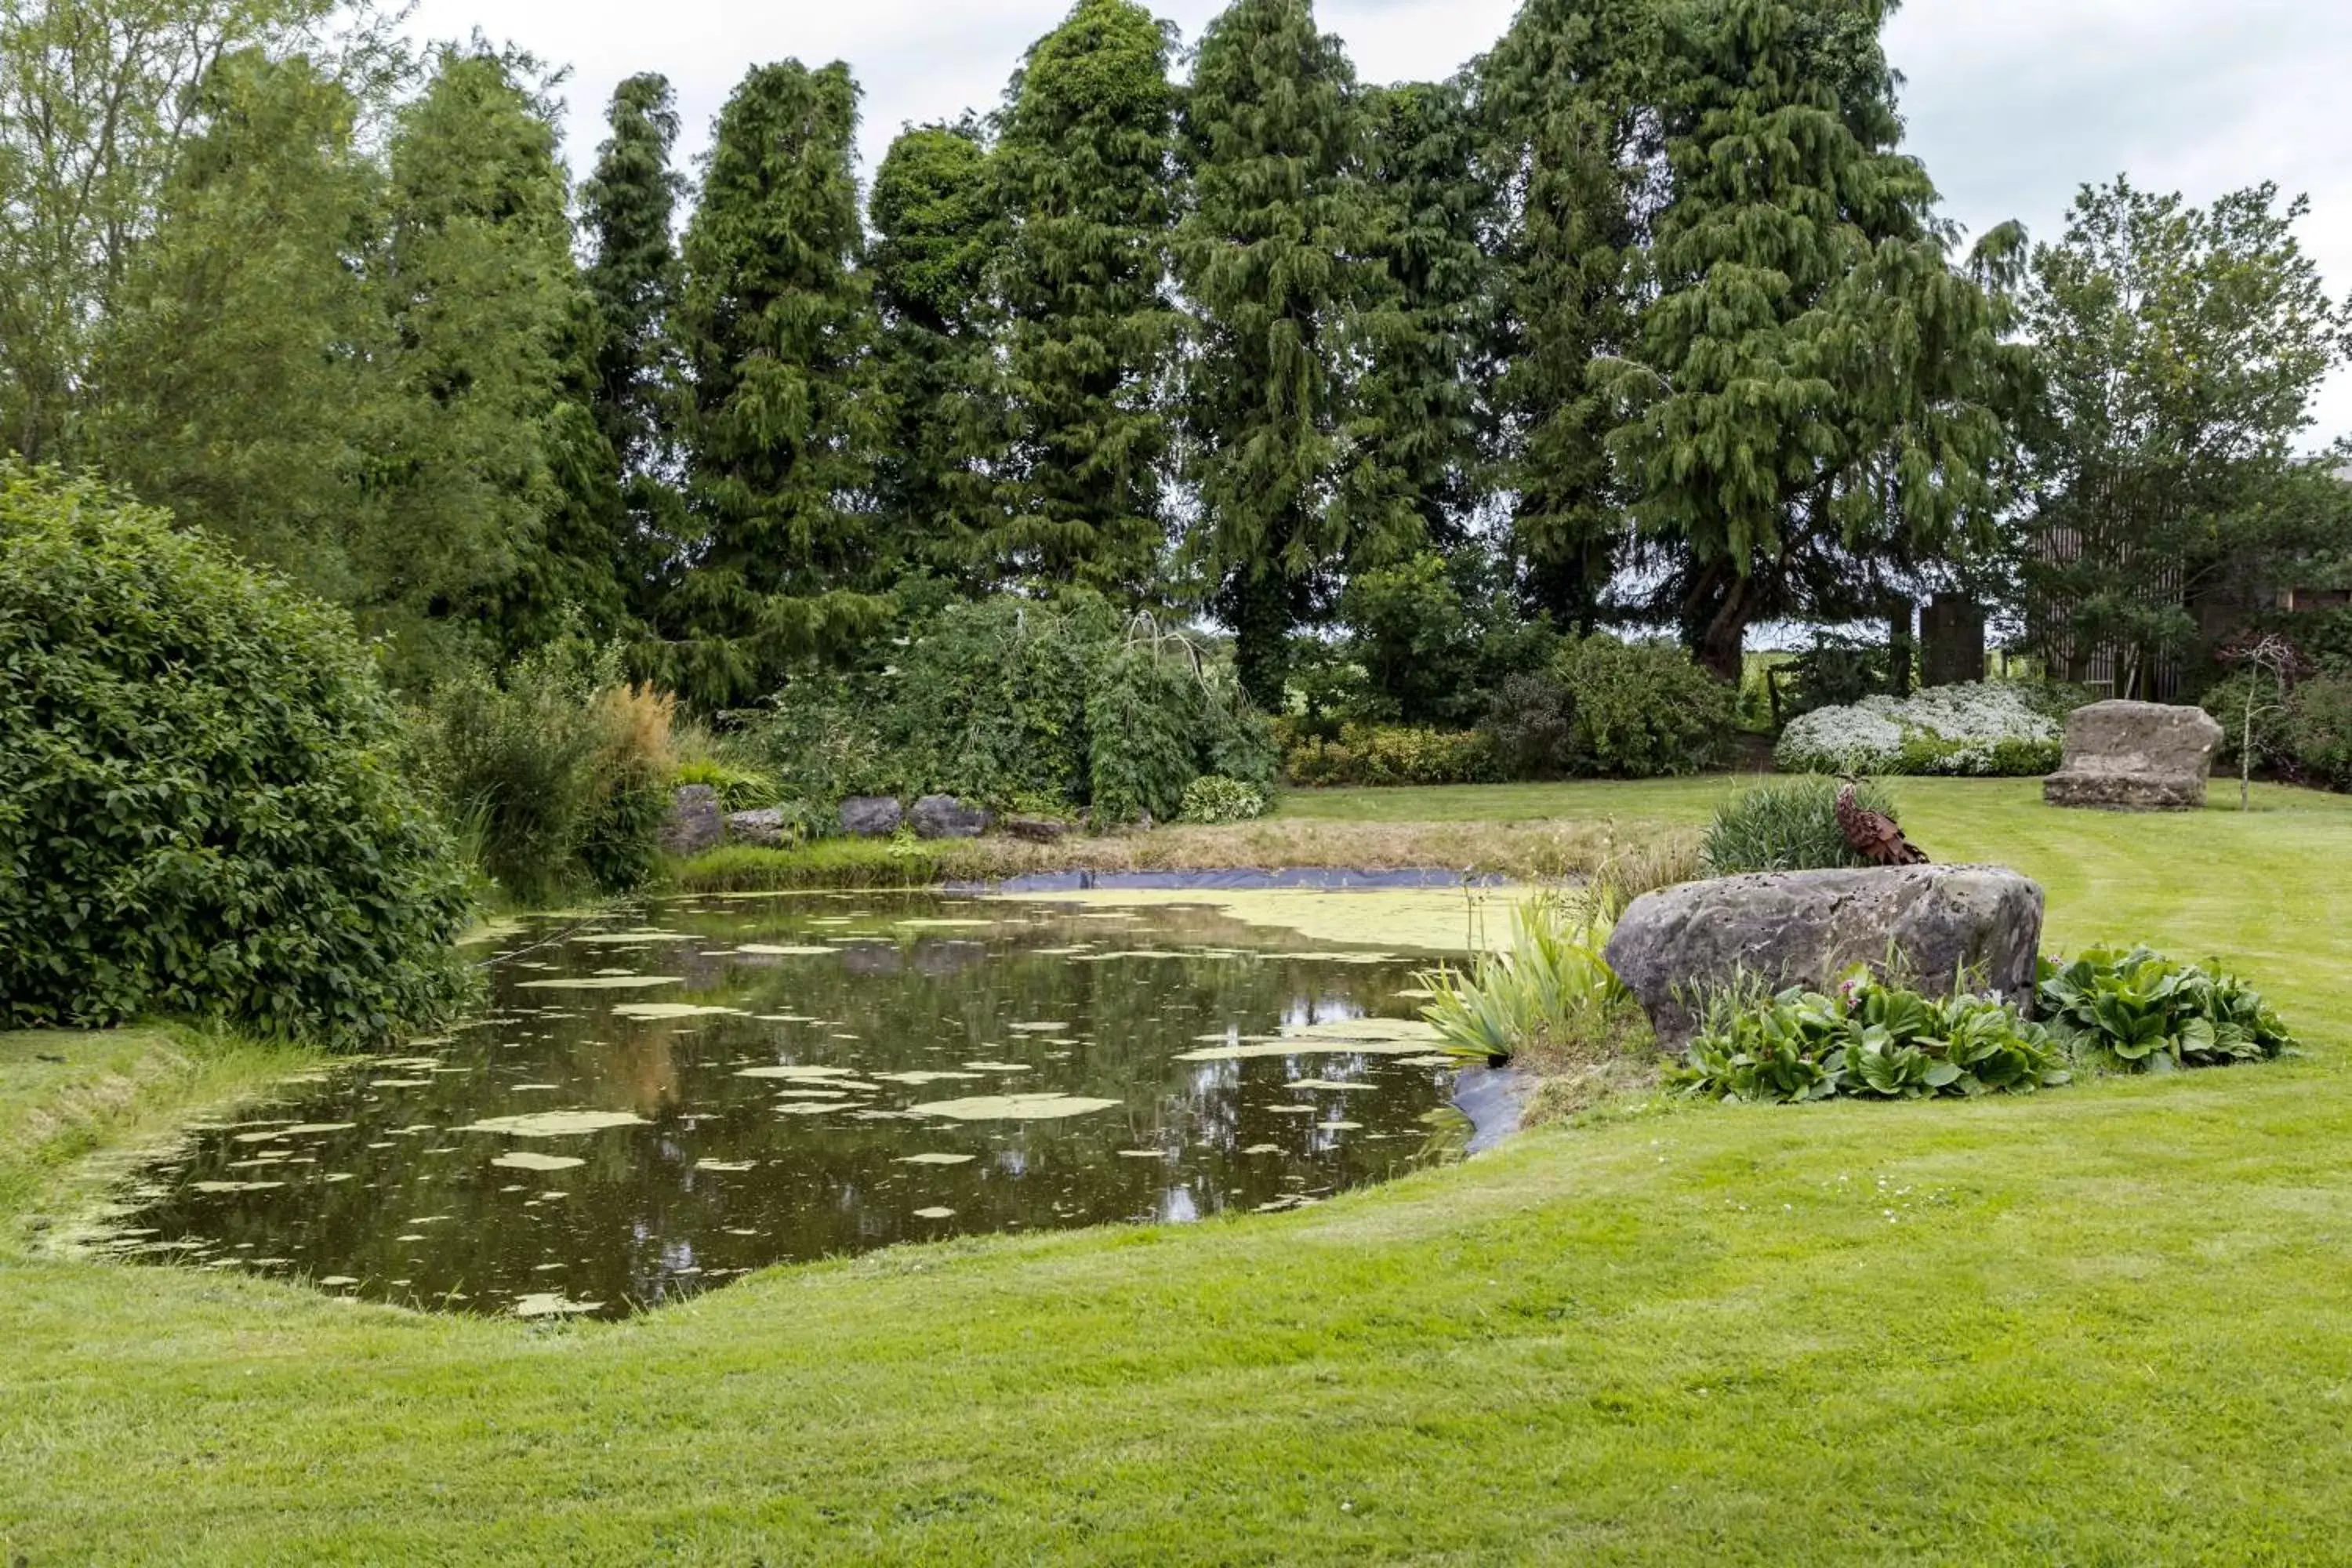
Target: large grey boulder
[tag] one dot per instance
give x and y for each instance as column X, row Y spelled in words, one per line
column 770, row 826
column 1939, row 925
column 945, row 817
column 2135, row 756
column 1036, row 829
column 694, row 823
column 870, row 816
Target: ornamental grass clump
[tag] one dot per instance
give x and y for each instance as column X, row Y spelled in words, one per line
column 1987, row 730
column 2137, row 1011
column 1548, row 993
column 1865, row 1037
column 1788, row 825
column 202, row 805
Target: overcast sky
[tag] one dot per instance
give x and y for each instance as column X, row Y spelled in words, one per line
column 2012, row 103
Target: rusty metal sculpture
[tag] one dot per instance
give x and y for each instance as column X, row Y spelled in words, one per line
column 1872, row 835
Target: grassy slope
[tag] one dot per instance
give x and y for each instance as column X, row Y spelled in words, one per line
column 2099, row 1326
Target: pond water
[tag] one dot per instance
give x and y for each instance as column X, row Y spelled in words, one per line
column 663, row 1098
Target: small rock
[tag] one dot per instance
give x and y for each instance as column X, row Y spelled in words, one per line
column 945, row 817
column 770, row 826
column 871, row 816
column 1941, row 925
column 1036, row 829
column 695, row 823
column 2135, row 756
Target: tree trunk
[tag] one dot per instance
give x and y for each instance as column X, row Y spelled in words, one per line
column 1902, row 641
column 1261, row 610
column 1714, row 620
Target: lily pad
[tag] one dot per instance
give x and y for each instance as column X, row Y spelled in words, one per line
column 768, row 949
column 604, row 982
column 1014, row 1107
column 1324, row 1083
column 934, row 1159
column 525, row 1160
column 726, row 1166
column 556, row 1124
column 935, row 1213
column 794, row 1071
column 648, row 1011
column 917, row 1077
column 552, row 1304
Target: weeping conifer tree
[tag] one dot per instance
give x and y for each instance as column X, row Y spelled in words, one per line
column 1086, row 188
column 933, row 215
column 1819, row 393
column 1566, row 98
column 1425, row 404
column 500, row 499
column 1273, row 258
column 787, row 416
column 628, row 208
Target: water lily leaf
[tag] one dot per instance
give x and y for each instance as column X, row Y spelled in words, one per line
column 556, row 1124
column 1040, row 1028
column 919, row 1077
column 400, row 1083
column 998, row 1067
column 934, row 1159
column 595, row 937
column 234, row 1186
column 652, row 1010
column 550, row 1304
column 796, row 1072
column 1014, row 1107
column 602, row 982
column 1324, row 1083
column 935, row 1213
column 729, row 1167
column 769, row 949
column 525, row 1160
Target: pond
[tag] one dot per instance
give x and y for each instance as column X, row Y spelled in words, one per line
column 660, row 1099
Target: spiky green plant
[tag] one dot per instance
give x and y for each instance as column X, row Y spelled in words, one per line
column 1550, row 987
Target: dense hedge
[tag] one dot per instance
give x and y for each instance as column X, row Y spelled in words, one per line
column 200, row 809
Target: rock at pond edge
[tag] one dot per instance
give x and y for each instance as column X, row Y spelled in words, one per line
column 1940, row 924
column 945, row 817
column 694, row 823
column 769, row 828
column 871, row 815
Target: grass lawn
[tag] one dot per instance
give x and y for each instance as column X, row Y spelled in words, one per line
column 2104, row 1325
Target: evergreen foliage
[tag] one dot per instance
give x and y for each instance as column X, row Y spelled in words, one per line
column 778, row 327
column 934, row 219
column 1088, row 188
column 202, row 808
column 1271, row 258
column 628, row 210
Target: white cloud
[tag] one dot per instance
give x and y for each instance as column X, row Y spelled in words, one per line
column 2013, row 104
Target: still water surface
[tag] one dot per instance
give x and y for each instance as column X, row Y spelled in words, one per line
column 661, row 1100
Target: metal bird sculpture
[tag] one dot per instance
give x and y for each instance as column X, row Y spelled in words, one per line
column 1872, row 835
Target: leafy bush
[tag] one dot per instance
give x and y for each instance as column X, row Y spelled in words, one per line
column 1213, row 798
column 2318, row 732
column 2144, row 1012
column 1986, row 729
column 1836, row 671
column 1550, row 991
column 1531, row 724
column 1787, row 825
column 1380, row 754
column 562, row 772
column 739, row 788
column 1643, row 709
column 200, row 808
column 1434, row 638
column 1019, row 704
column 1865, row 1037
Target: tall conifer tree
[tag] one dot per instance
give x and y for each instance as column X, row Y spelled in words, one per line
column 934, row 221
column 1568, row 97
column 628, row 208
column 787, row 417
column 1272, row 256
column 1818, row 389
column 1087, row 190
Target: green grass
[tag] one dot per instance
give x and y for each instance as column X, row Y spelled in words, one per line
column 2101, row 1325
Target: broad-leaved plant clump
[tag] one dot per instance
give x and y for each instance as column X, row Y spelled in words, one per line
column 1213, row 798
column 1869, row 1038
column 2140, row 1012
column 202, row 809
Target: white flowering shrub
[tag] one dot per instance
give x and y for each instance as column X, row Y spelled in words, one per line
column 1983, row 730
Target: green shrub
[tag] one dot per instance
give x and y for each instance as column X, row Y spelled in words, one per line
column 2140, row 1012
column 739, row 788
column 1531, row 725
column 1019, row 704
column 1383, row 754
column 1787, row 825
column 201, row 809
column 1865, row 1037
column 1643, row 709
column 1213, row 798
column 560, row 771
column 2318, row 732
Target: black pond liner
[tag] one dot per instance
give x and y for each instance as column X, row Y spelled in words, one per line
column 1306, row 879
